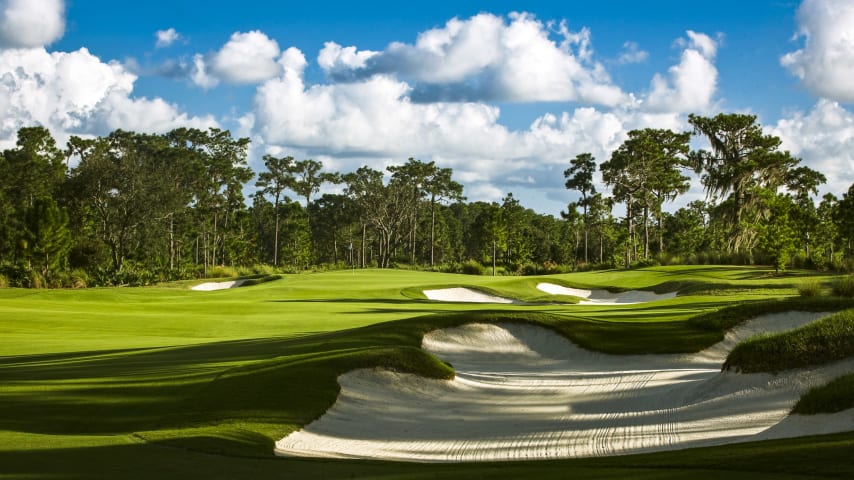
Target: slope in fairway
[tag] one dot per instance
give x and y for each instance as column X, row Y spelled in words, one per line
column 522, row 392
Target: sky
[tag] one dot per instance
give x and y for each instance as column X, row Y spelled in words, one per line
column 504, row 93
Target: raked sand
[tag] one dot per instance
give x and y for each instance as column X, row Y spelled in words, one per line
column 523, row 392
column 211, row 286
column 466, row 295
column 604, row 297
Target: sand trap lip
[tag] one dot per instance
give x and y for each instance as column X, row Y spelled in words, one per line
column 465, row 295
column 604, row 297
column 211, row 286
column 523, row 392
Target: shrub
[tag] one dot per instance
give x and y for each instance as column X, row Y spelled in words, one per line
column 809, row 288
column 221, row 271
column 843, row 286
column 79, row 278
column 473, row 267
column 36, row 280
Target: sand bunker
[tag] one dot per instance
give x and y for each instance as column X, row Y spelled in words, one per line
column 604, row 297
column 523, row 392
column 210, row 286
column 466, row 295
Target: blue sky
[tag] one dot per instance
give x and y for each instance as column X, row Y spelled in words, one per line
column 503, row 92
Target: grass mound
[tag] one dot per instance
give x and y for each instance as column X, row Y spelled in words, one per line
column 824, row 341
column 836, row 396
column 729, row 317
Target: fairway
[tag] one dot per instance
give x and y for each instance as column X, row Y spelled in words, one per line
column 172, row 382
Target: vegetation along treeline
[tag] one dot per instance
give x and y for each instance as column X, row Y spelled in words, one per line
column 140, row 208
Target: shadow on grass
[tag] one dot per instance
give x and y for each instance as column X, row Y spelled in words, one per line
column 814, row 457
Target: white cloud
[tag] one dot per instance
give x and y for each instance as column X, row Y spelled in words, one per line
column 76, row 93
column 487, row 58
column 692, row 83
column 374, row 121
column 199, row 73
column 245, row 59
column 632, row 54
column 166, row 38
column 334, row 58
column 824, row 139
column 31, row 23
column 826, row 63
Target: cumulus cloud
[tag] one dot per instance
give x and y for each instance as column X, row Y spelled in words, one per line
column 246, row 58
column 632, row 54
column 374, row 121
column 486, row 58
column 31, row 23
column 824, row 139
column 825, row 64
column 692, row 82
column 76, row 93
column 341, row 61
column 166, row 38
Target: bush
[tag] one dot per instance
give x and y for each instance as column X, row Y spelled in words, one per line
column 36, row 280
column 843, row 287
column 809, row 288
column 472, row 267
column 79, row 279
column 222, row 271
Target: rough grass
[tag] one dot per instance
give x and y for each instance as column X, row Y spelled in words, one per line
column 843, row 286
column 809, row 288
column 836, row 396
column 818, row 343
column 726, row 318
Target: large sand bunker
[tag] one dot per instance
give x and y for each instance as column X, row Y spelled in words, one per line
column 523, row 392
column 604, row 297
column 466, row 295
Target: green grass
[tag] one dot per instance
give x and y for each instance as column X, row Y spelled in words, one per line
column 818, row 343
column 171, row 383
column 834, row 397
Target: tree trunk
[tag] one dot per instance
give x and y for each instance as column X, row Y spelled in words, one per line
column 493, row 255
column 630, row 240
column 432, row 228
column 171, row 241
column 645, row 231
column 364, row 236
column 276, row 236
column 585, row 229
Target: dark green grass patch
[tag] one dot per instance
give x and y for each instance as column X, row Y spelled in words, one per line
column 821, row 342
column 836, row 396
column 123, row 458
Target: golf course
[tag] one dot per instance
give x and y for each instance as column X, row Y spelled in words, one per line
column 171, row 382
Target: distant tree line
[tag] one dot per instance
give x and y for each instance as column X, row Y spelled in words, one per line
column 140, row 208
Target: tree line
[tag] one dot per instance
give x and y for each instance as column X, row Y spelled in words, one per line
column 140, row 208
